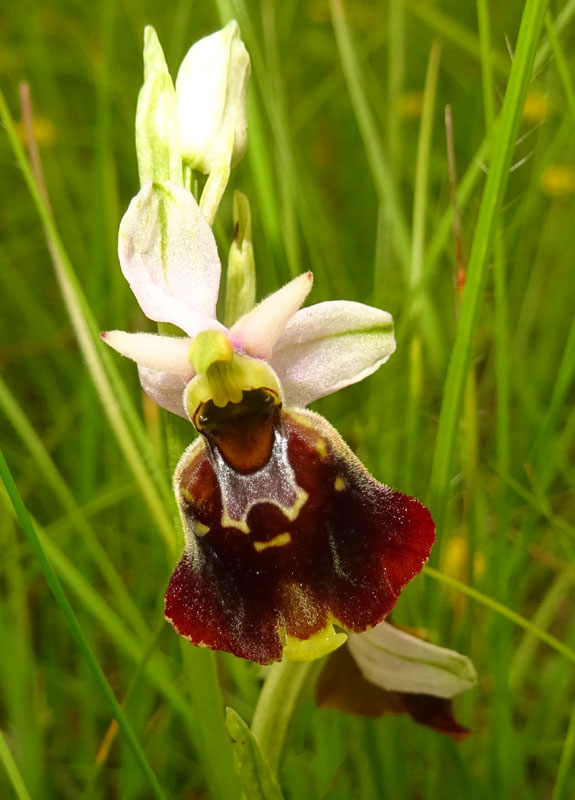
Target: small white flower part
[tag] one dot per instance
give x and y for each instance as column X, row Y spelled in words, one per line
column 211, row 90
column 398, row 662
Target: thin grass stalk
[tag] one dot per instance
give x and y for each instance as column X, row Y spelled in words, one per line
column 504, row 611
column 212, row 740
column 420, row 202
column 77, row 517
column 132, row 646
column 77, row 632
column 378, row 164
column 502, row 152
column 549, row 610
column 84, row 328
column 564, row 17
column 500, row 633
column 561, row 63
column 12, row 771
column 563, row 788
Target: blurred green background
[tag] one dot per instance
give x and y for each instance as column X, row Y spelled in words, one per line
column 347, row 174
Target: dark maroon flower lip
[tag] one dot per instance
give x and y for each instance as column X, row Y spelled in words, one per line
column 286, row 533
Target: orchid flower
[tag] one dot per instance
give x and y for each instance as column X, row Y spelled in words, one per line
column 287, row 534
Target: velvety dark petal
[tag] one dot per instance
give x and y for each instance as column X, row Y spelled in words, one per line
column 436, row 713
column 289, row 541
column 341, row 685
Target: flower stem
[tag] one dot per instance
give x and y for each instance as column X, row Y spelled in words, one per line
column 276, row 704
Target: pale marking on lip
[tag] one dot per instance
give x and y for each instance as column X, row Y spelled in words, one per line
column 321, row 448
column 291, row 512
column 201, row 529
column 278, row 541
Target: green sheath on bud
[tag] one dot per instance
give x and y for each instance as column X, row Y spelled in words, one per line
column 157, row 138
column 241, row 275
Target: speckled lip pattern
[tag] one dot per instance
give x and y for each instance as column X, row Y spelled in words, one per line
column 344, row 558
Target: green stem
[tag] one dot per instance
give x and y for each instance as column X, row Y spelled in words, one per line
column 276, row 704
column 561, row 788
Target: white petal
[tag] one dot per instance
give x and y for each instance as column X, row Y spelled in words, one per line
column 257, row 331
column 398, row 662
column 168, row 353
column 165, row 388
column 331, row 345
column 169, row 256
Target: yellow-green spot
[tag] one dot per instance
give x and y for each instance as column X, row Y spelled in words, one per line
column 187, row 495
column 201, row 529
column 339, row 484
column 321, row 448
column 278, row 541
column 319, row 644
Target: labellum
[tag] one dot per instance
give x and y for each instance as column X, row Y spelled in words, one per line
column 287, row 534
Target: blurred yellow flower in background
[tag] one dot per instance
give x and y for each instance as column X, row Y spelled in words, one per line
column 558, row 180
column 44, row 131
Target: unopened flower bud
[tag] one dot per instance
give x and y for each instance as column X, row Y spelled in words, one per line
column 211, row 89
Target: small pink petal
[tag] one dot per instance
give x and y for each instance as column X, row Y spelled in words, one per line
column 169, row 257
column 329, row 346
column 169, row 353
column 164, row 388
column 257, row 331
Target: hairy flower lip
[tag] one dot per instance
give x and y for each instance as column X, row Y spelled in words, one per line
column 343, row 555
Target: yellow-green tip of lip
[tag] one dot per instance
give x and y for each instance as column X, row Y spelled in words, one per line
column 319, row 644
column 209, row 347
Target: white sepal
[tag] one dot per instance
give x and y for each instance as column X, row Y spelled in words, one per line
column 398, row 662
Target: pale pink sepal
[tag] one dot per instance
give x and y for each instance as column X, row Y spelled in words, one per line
column 165, row 388
column 396, row 661
column 169, row 256
column 257, row 331
column 329, row 346
column 166, row 353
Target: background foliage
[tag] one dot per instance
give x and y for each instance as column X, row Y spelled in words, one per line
column 347, row 173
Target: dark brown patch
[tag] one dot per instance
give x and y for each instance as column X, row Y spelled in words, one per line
column 351, row 551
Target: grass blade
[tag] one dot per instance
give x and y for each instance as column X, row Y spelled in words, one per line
column 76, row 630
column 502, row 153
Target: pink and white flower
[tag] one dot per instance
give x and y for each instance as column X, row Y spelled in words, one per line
column 169, row 256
